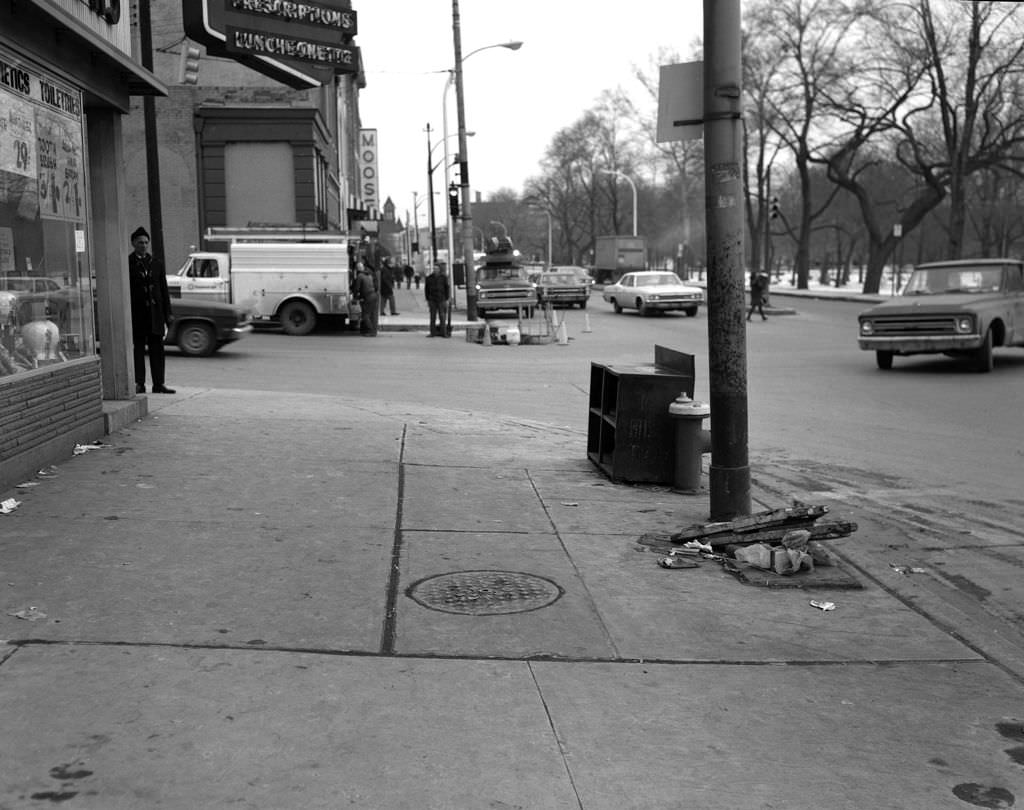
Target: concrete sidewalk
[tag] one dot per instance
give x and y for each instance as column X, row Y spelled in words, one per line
column 273, row 601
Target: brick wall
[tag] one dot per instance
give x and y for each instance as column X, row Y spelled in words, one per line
column 44, row 413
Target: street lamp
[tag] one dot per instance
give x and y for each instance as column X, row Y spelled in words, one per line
column 548, row 215
column 535, row 203
column 632, row 185
column 431, row 166
column 466, row 212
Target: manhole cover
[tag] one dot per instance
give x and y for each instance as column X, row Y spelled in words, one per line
column 484, row 593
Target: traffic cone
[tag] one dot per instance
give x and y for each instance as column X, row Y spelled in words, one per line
column 586, row 322
column 562, row 334
column 487, row 334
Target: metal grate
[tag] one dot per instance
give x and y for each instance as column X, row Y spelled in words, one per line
column 484, row 593
column 937, row 325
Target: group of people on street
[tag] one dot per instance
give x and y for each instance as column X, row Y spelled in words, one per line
column 375, row 293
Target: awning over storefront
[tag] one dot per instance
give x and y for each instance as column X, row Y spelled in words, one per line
column 97, row 66
column 137, row 80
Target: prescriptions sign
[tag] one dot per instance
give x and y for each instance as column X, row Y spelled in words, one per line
column 301, row 44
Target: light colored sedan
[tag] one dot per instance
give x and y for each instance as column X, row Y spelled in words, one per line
column 653, row 291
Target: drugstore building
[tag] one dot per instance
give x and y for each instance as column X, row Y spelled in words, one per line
column 66, row 80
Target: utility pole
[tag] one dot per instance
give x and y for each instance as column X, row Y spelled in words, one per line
column 729, row 478
column 467, row 205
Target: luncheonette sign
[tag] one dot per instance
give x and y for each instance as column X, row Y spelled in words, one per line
column 301, row 44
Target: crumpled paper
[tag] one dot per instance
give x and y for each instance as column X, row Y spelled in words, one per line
column 29, row 614
column 85, row 448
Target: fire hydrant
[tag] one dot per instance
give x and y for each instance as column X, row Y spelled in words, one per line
column 691, row 440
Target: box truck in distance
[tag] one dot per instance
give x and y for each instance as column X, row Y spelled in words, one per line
column 616, row 255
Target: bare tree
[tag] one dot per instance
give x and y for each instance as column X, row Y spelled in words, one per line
column 997, row 216
column 939, row 88
column 760, row 65
column 566, row 188
column 972, row 116
column 810, row 36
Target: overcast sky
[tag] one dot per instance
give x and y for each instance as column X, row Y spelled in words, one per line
column 515, row 100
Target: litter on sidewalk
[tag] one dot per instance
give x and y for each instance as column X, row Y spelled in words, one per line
column 773, row 548
column 8, row 506
column 903, row 570
column 29, row 614
column 85, row 448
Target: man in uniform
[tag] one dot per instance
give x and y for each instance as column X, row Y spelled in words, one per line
column 151, row 312
column 438, row 291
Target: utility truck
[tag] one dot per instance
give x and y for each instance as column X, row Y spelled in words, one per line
column 279, row 277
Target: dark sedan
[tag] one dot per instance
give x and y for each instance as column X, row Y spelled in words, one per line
column 201, row 327
column 562, row 286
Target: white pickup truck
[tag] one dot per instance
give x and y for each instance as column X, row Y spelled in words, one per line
column 288, row 283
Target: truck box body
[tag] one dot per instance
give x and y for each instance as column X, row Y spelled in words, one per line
column 617, row 255
column 287, row 282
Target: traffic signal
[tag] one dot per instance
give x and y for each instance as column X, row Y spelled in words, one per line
column 188, row 72
column 775, row 208
column 453, row 199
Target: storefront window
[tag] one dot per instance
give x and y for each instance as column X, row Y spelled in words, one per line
column 46, row 309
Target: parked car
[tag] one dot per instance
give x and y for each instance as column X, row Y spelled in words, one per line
column 957, row 308
column 39, row 298
column 581, row 273
column 202, row 327
column 561, row 286
column 653, row 291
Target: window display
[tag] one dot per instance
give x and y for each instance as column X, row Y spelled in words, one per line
column 46, row 311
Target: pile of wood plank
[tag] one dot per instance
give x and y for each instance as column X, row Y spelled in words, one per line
column 768, row 527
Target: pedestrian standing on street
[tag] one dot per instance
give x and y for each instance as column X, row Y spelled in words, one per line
column 438, row 291
column 416, row 277
column 369, row 301
column 151, row 312
column 387, row 287
column 408, row 272
column 758, row 292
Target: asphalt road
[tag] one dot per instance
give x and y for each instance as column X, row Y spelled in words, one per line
column 812, row 393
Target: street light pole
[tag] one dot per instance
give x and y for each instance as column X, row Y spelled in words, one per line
column 550, row 259
column 430, row 201
column 632, row 185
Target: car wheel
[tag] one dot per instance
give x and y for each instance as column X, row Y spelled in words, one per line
column 983, row 355
column 884, row 360
column 642, row 308
column 616, row 307
column 691, row 312
column 298, row 318
column 197, row 339
column 583, row 304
